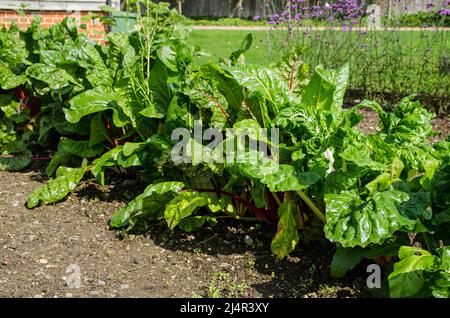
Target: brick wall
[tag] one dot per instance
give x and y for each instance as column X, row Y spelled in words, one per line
column 94, row 29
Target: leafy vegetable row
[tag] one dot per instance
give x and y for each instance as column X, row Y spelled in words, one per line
column 112, row 108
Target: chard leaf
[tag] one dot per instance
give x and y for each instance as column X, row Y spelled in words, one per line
column 168, row 56
column 410, row 122
column 108, row 159
column 245, row 46
column 326, row 89
column 98, row 133
column 258, row 192
column 68, row 148
column 344, row 260
column 384, row 180
column 408, row 279
column 263, row 81
column 160, row 89
column 11, row 108
column 15, row 163
column 57, row 189
column 360, row 155
column 277, row 177
column 226, row 84
column 9, row 80
column 193, row 223
column 294, row 70
column 354, row 222
column 55, row 77
column 286, row 237
column 184, row 205
column 441, row 286
column 97, row 72
column 147, row 206
column 89, row 102
column 440, row 186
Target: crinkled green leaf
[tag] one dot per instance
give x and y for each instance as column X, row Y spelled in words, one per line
column 354, row 222
column 89, row 102
column 407, row 279
column 54, row 77
column 263, row 80
column 184, row 205
column 441, row 286
column 384, row 180
column 326, row 89
column 9, row 80
column 56, row 189
column 360, row 154
column 149, row 204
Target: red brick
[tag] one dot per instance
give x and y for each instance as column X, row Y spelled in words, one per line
column 48, row 18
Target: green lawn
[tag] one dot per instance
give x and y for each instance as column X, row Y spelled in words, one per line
column 399, row 62
column 219, row 43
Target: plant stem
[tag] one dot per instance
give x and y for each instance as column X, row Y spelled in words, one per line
column 312, row 206
column 275, row 196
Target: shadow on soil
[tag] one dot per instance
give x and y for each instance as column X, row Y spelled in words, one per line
column 304, row 272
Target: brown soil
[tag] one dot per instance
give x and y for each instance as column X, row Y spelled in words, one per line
column 38, row 246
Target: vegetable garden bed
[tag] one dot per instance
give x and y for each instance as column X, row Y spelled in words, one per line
column 39, row 245
column 286, row 154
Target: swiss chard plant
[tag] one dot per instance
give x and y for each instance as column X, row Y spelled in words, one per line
column 115, row 108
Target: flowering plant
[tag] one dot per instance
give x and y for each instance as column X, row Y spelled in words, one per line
column 293, row 12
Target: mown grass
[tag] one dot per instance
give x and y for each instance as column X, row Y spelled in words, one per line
column 220, row 43
column 394, row 62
